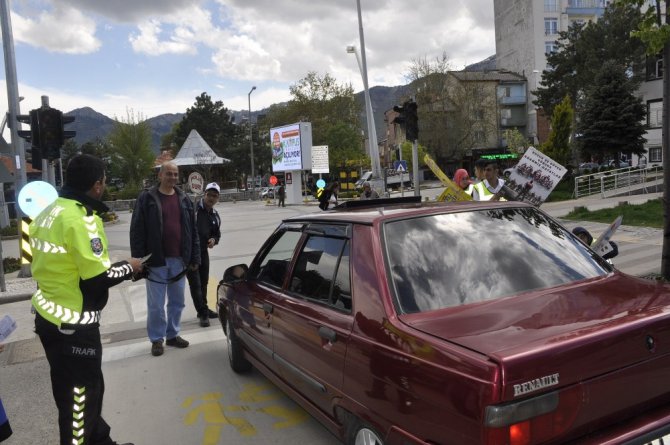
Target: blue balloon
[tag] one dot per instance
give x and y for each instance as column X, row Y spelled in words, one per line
column 321, row 183
column 35, row 197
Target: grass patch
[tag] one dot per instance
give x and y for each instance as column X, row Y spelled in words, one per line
column 649, row 214
column 563, row 191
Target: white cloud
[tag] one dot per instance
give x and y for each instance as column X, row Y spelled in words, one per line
column 148, row 42
column 63, row 29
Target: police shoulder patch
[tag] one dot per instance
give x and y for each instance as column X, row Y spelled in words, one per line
column 96, row 246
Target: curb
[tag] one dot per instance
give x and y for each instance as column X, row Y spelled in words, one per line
column 14, row 298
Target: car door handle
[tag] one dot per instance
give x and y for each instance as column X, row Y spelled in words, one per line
column 328, row 334
column 267, row 308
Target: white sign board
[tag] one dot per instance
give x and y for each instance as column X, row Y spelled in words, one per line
column 602, row 245
column 535, row 176
column 320, row 159
column 291, row 147
column 195, row 183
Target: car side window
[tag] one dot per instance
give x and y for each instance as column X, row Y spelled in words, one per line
column 274, row 265
column 321, row 272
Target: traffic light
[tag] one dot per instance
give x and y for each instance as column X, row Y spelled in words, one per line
column 411, row 121
column 51, row 132
column 32, row 136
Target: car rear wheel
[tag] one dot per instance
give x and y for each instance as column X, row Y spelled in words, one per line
column 238, row 362
column 362, row 434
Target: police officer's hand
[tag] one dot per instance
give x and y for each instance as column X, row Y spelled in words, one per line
column 211, row 242
column 192, row 267
column 135, row 263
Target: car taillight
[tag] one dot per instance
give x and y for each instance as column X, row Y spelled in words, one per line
column 532, row 421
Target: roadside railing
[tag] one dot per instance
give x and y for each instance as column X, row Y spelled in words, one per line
column 630, row 180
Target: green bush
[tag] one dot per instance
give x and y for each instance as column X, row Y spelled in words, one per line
column 11, row 264
column 129, row 192
column 10, row 230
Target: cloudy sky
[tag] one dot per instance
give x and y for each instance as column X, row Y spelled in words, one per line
column 155, row 56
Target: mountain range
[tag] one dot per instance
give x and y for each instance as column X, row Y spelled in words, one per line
column 91, row 125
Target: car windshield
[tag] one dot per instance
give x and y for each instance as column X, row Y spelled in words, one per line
column 447, row 260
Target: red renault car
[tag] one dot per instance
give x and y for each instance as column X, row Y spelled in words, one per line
column 399, row 322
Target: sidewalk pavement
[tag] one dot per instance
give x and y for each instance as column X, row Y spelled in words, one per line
column 21, row 289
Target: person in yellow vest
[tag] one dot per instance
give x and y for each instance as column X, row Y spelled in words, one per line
column 490, row 187
column 74, row 273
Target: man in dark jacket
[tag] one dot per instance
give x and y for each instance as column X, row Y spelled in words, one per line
column 163, row 225
column 208, row 223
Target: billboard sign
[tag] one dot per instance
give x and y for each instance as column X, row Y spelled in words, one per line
column 320, row 159
column 291, row 147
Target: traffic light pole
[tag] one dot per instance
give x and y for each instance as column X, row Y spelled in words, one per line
column 18, row 151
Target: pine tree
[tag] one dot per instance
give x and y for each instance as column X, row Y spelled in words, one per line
column 611, row 118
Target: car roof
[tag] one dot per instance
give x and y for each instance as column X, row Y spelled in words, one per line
column 374, row 210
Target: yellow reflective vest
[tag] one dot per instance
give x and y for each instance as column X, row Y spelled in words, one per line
column 68, row 244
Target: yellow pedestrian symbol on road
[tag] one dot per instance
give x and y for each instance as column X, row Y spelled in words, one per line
column 254, row 398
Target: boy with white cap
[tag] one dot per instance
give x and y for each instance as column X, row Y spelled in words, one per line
column 208, row 226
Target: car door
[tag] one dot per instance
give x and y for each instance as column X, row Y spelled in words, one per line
column 312, row 321
column 266, row 278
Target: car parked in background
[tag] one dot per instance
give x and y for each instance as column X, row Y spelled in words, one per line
column 267, row 193
column 587, row 167
column 612, row 164
column 401, row 322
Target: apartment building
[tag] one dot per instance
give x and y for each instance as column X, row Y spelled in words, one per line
column 462, row 116
column 527, row 30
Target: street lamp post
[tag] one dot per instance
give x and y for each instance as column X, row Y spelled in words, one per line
column 251, row 149
column 362, row 65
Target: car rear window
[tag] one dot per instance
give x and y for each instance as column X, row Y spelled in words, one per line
column 447, row 260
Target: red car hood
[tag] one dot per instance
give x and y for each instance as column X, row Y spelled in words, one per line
column 585, row 329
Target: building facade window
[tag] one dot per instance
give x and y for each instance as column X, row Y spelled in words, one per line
column 550, row 26
column 550, row 5
column 655, row 114
column 654, row 67
column 549, row 47
column 655, row 154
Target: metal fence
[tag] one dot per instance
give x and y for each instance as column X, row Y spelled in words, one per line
column 622, row 181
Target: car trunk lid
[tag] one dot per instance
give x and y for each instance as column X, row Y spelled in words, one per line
column 551, row 339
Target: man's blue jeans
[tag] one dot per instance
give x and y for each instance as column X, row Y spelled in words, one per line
column 158, row 325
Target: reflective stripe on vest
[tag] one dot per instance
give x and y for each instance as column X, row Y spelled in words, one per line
column 46, row 246
column 483, row 192
column 64, row 314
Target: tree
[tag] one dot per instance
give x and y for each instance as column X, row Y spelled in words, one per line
column 582, row 49
column 211, row 120
column 516, row 141
column 557, row 146
column 457, row 110
column 130, row 150
column 654, row 31
column 612, row 115
column 332, row 110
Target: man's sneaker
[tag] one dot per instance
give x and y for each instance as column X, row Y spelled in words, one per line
column 204, row 321
column 177, row 342
column 212, row 314
column 157, row 348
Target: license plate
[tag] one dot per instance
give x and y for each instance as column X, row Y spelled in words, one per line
column 665, row 440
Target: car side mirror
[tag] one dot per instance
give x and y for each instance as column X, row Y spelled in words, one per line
column 235, row 273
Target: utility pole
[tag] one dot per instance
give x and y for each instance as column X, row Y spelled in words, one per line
column 18, row 152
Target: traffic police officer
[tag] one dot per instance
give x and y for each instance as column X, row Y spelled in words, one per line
column 73, row 271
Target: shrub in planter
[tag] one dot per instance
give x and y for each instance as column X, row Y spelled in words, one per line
column 11, row 264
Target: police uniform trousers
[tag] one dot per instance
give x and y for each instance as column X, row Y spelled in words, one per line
column 75, row 359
